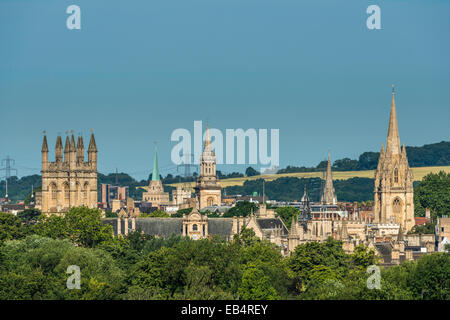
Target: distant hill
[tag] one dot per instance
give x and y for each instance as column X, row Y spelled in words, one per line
column 436, row 154
column 292, row 188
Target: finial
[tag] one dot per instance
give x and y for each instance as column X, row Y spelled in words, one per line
column 44, row 132
column 71, row 131
column 393, row 89
column 92, row 131
column 67, row 132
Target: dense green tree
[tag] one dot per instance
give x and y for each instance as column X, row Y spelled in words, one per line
column 11, row 227
column 155, row 214
column 433, row 192
column 80, row 225
column 29, row 216
column 241, row 209
column 256, row 285
column 431, row 277
column 286, row 214
column 309, row 256
column 250, row 172
column 36, row 268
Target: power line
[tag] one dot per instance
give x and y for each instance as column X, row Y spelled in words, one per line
column 7, row 163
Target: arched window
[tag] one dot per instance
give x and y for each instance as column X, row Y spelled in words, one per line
column 54, row 191
column 396, row 175
column 397, row 205
column 66, row 191
column 85, row 191
column 194, row 227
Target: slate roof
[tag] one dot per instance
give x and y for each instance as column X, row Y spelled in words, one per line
column 271, row 223
column 220, row 226
column 162, row 227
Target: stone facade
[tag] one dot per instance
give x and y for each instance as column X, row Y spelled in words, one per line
column 394, row 193
column 70, row 181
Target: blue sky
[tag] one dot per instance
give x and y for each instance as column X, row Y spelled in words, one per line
column 137, row 70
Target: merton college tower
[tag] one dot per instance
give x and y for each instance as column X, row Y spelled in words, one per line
column 394, row 194
column 69, row 181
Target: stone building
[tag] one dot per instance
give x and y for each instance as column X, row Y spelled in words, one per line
column 155, row 191
column 394, row 193
column 198, row 226
column 208, row 190
column 70, row 181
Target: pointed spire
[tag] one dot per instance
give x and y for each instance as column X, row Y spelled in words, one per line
column 44, row 144
column 155, row 172
column 92, row 144
column 80, row 143
column 393, row 139
column 80, row 149
column 58, row 149
column 72, row 143
column 66, row 148
column 328, row 196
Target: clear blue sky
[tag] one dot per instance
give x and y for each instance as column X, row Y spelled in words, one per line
column 139, row 69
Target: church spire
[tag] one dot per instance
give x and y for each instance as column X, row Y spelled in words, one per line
column 328, row 196
column 155, row 172
column 393, row 139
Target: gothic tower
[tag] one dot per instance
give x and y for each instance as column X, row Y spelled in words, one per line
column 328, row 194
column 393, row 193
column 70, row 181
column 208, row 189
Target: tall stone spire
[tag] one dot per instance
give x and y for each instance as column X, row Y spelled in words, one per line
column 155, row 172
column 393, row 139
column 328, row 196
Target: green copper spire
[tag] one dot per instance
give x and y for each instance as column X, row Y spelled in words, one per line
column 155, row 172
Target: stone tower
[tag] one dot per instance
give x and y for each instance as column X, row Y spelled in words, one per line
column 394, row 193
column 70, row 181
column 328, row 194
column 208, row 189
column 155, row 193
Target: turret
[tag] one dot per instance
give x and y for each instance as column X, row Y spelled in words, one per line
column 59, row 150
column 73, row 151
column 92, row 152
column 44, row 152
column 67, row 150
column 80, row 150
